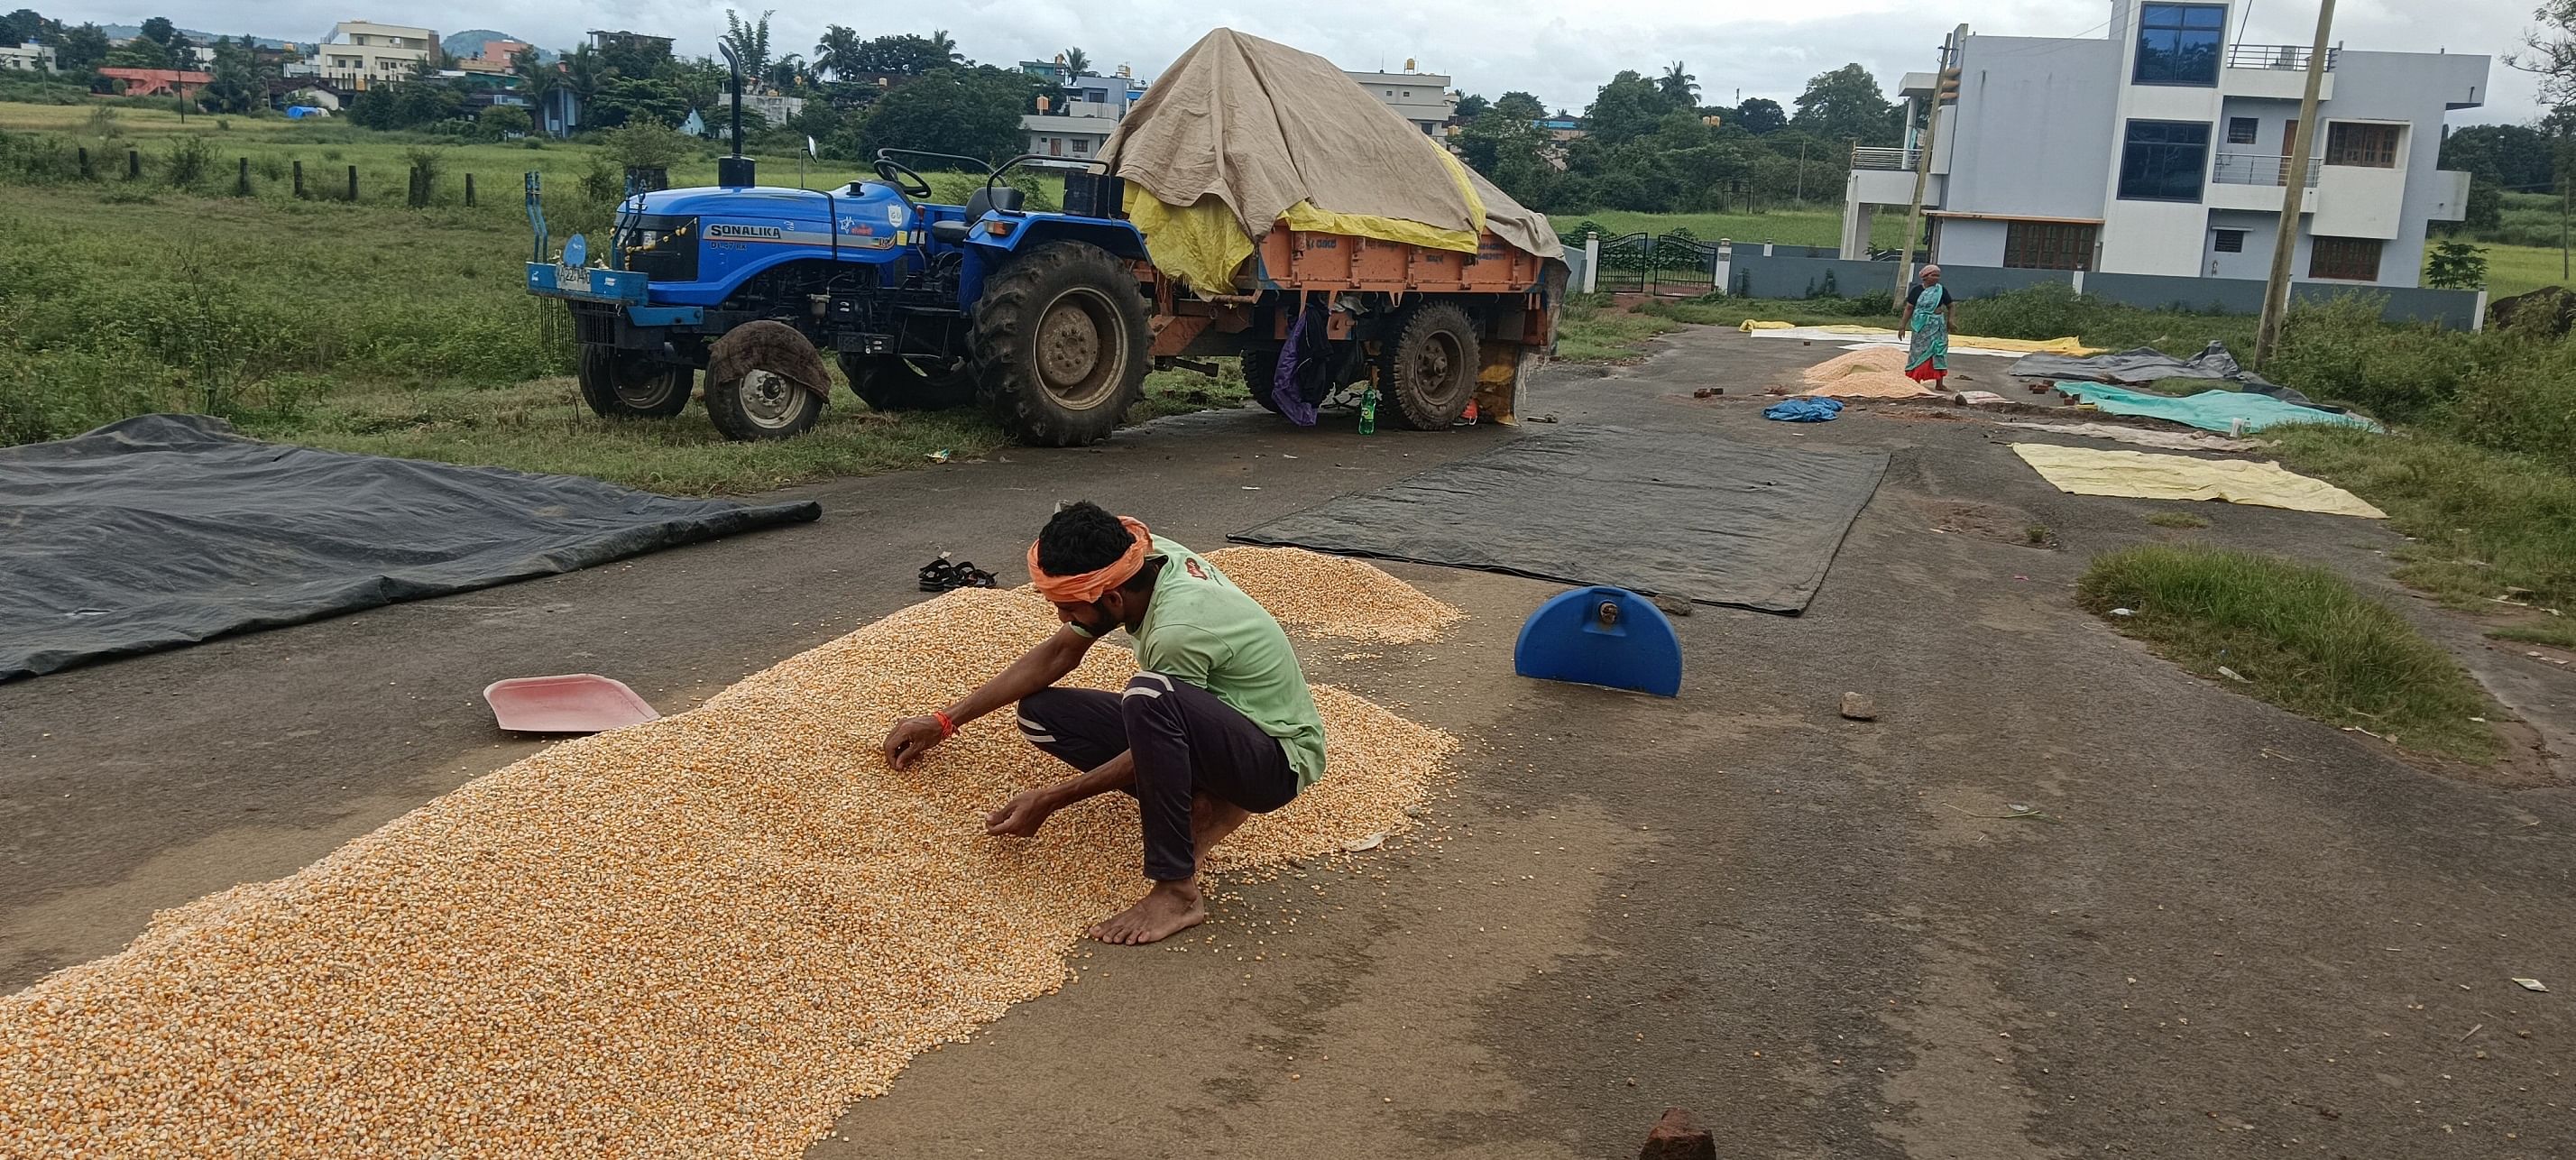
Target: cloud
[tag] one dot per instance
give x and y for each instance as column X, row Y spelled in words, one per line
column 1562, row 53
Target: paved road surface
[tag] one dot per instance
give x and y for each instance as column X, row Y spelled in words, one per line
column 2235, row 932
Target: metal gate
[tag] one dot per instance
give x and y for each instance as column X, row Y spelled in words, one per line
column 1681, row 266
column 1625, row 262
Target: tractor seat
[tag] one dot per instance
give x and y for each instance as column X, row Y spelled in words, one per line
column 992, row 199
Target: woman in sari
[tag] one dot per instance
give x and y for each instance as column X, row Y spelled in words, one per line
column 1927, row 312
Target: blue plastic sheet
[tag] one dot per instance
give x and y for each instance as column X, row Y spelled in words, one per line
column 1804, row 410
column 2210, row 410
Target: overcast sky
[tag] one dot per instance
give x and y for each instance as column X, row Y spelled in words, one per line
column 1560, row 51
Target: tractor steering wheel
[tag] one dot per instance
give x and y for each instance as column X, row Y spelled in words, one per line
column 902, row 177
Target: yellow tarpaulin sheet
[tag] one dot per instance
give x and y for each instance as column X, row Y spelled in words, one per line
column 2066, row 345
column 2142, row 475
column 1204, row 247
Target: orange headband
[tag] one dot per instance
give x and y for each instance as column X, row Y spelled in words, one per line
column 1091, row 586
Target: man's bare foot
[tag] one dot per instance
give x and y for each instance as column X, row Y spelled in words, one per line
column 1166, row 910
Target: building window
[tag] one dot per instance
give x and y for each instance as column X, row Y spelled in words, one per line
column 1081, row 145
column 2048, row 246
column 2178, row 44
column 2164, row 161
column 2374, row 146
column 2344, row 259
column 2241, row 130
column 2229, row 242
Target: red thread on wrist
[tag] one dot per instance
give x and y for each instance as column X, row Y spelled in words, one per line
column 947, row 728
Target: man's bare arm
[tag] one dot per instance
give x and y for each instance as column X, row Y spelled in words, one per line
column 1027, row 810
column 1035, row 669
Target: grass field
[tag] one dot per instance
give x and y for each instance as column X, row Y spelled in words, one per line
column 366, row 325
column 1812, row 226
column 2519, row 269
column 2297, row 636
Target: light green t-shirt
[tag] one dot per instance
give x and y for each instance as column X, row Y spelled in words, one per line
column 1202, row 629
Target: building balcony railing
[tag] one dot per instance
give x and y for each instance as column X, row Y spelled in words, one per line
column 2257, row 169
column 2291, row 57
column 1878, row 157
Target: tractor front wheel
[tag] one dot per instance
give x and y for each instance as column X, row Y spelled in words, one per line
column 1429, row 370
column 626, row 385
column 894, row 383
column 1061, row 345
column 764, row 381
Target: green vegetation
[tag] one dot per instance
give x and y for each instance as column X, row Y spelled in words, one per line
column 365, row 325
column 1799, row 226
column 2515, row 270
column 2544, row 632
column 2484, row 523
column 1650, row 146
column 1591, row 329
column 2551, row 633
column 2184, row 520
column 2297, row 636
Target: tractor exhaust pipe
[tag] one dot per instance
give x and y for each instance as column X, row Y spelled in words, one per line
column 734, row 172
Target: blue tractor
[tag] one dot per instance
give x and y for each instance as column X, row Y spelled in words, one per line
column 1041, row 317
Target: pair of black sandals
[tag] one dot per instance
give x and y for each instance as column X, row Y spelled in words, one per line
column 943, row 575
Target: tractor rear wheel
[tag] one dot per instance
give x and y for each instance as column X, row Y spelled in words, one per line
column 764, row 381
column 1260, row 371
column 626, row 385
column 1428, row 371
column 1061, row 344
column 892, row 383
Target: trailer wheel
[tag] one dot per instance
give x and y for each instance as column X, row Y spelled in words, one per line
column 1260, row 370
column 1060, row 345
column 1429, row 370
column 890, row 383
column 764, row 381
column 626, row 385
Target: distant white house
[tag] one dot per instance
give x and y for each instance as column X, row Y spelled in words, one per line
column 28, row 58
column 1420, row 97
column 2163, row 147
column 361, row 53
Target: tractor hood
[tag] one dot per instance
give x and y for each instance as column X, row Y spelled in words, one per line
column 768, row 213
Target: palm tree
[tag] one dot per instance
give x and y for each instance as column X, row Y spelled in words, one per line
column 838, row 52
column 945, row 46
column 537, row 82
column 1076, row 63
column 583, row 72
column 750, row 41
column 1679, row 86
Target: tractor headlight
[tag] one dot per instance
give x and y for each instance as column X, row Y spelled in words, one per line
column 662, row 247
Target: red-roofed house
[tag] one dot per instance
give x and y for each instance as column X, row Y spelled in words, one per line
column 155, row 82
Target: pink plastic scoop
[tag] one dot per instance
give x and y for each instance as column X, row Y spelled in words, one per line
column 572, row 703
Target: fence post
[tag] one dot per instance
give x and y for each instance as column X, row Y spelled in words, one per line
column 353, row 183
column 1766, row 249
column 1591, row 261
column 1725, row 264
column 299, row 181
column 2079, row 279
column 133, row 164
column 2478, row 312
column 84, row 162
column 241, row 177
column 469, row 191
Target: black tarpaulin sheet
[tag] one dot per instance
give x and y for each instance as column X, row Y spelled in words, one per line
column 168, row 529
column 1660, row 512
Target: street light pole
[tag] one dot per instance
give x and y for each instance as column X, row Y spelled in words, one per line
column 2294, row 189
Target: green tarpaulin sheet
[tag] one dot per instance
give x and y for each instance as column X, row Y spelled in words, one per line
column 2209, row 410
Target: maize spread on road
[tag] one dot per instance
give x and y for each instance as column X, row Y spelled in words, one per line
column 698, row 936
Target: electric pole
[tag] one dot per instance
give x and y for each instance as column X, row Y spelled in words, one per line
column 1945, row 87
column 2294, row 191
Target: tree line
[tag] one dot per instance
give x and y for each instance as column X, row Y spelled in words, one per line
column 1649, row 144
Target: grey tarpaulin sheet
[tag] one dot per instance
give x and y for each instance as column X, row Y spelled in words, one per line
column 2144, row 365
column 1661, row 512
column 168, row 529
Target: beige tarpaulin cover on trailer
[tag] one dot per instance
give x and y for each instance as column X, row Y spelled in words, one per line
column 1242, row 133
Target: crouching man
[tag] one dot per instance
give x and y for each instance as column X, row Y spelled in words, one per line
column 1218, row 725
